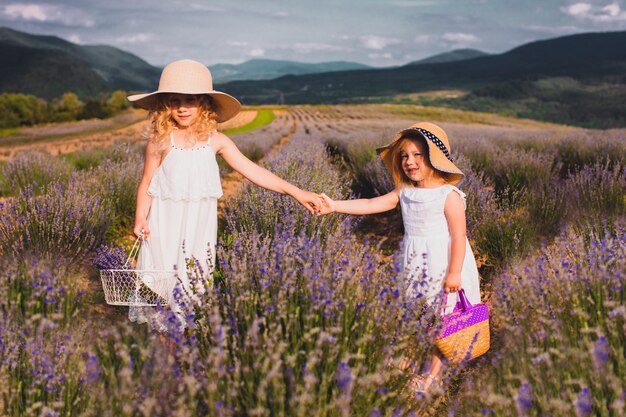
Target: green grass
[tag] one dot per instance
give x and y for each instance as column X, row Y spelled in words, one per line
column 447, row 114
column 9, row 131
column 263, row 117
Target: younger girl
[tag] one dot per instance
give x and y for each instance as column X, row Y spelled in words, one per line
column 433, row 212
column 177, row 196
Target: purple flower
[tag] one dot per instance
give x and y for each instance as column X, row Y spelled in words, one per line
column 344, row 377
column 584, row 403
column 92, row 373
column 109, row 257
column 601, row 351
column 524, row 398
column 375, row 412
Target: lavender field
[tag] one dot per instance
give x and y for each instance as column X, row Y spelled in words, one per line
column 308, row 316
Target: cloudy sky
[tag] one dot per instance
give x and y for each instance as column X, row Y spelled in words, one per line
column 374, row 32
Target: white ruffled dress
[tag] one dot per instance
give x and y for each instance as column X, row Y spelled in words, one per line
column 426, row 246
column 182, row 217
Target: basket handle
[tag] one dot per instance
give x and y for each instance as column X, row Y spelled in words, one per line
column 134, row 251
column 462, row 304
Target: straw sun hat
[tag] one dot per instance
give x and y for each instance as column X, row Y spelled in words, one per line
column 189, row 77
column 438, row 149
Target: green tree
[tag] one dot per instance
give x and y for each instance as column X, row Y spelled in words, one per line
column 118, row 102
column 21, row 110
column 67, row 108
column 70, row 103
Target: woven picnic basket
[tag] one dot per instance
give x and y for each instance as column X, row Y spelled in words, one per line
column 464, row 333
column 137, row 287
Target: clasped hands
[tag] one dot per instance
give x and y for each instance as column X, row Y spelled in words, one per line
column 318, row 204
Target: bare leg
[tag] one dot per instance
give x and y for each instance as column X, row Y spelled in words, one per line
column 434, row 370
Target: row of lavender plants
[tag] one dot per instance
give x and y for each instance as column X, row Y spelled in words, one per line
column 257, row 143
column 557, row 316
column 237, row 325
column 305, row 317
column 523, row 185
column 561, row 320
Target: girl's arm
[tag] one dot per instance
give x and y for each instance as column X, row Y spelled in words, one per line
column 260, row 176
column 454, row 211
column 363, row 205
column 144, row 200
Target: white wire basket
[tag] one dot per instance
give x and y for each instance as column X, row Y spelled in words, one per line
column 134, row 287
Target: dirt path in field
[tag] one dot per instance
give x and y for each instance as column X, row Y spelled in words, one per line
column 62, row 138
column 70, row 137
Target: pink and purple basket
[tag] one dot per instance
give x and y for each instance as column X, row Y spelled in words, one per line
column 464, row 333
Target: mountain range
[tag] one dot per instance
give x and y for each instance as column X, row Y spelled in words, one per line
column 591, row 57
column 48, row 66
column 576, row 79
column 265, row 69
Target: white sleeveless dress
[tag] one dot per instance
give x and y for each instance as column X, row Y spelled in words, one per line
column 182, row 217
column 426, row 246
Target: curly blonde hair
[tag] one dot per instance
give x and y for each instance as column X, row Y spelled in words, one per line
column 162, row 123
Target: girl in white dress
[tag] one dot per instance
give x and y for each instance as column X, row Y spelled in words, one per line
column 177, row 197
column 435, row 244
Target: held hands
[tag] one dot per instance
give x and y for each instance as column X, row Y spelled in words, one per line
column 328, row 205
column 452, row 282
column 310, row 201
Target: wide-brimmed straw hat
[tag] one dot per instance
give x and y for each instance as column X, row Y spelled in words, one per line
column 189, row 77
column 438, row 149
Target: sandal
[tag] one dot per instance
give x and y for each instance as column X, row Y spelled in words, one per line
column 402, row 364
column 421, row 384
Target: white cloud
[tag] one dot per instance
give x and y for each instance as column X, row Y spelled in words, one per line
column 380, row 56
column 307, row 47
column 601, row 14
column 555, row 30
column 421, row 3
column 204, row 8
column 612, row 10
column 458, row 37
column 377, row 42
column 26, row 12
column 577, row 9
column 135, row 38
column 281, row 13
column 423, row 39
column 47, row 13
column 256, row 52
column 74, row 38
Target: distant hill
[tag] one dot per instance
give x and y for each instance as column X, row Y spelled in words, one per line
column 48, row 66
column 586, row 56
column 452, row 56
column 578, row 79
column 265, row 69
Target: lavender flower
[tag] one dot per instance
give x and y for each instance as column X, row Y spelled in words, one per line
column 584, row 403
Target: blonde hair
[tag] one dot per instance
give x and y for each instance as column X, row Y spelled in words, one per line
column 400, row 179
column 162, row 123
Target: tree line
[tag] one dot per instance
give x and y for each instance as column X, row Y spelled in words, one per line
column 18, row 110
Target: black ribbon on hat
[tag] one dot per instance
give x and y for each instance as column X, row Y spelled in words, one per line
column 434, row 139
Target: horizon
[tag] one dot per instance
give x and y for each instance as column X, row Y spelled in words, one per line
column 251, row 59
column 233, row 33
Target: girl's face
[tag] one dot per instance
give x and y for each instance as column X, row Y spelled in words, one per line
column 183, row 108
column 415, row 162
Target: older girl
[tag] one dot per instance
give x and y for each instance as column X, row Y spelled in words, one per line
column 177, row 197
